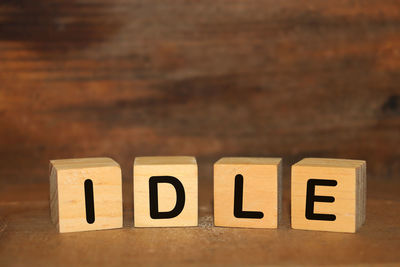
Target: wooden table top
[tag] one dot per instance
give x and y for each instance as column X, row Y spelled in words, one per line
column 28, row 237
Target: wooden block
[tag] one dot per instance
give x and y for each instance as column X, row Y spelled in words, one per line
column 328, row 194
column 247, row 192
column 85, row 194
column 165, row 191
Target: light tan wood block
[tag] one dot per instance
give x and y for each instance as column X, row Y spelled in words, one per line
column 68, row 198
column 183, row 171
column 261, row 184
column 346, row 187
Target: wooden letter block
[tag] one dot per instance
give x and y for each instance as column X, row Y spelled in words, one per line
column 85, row 194
column 247, row 192
column 328, row 194
column 165, row 191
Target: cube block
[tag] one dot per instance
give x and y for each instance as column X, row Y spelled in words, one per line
column 247, row 192
column 165, row 191
column 85, row 194
column 328, row 194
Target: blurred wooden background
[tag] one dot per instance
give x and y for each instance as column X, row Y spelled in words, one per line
column 211, row 78
column 205, row 78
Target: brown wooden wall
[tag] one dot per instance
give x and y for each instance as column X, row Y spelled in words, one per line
column 206, row 78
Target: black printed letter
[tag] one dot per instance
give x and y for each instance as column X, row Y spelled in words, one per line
column 311, row 198
column 89, row 201
column 238, row 203
column 180, row 197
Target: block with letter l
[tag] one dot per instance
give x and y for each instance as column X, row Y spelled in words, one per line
column 328, row 194
column 247, row 192
column 165, row 191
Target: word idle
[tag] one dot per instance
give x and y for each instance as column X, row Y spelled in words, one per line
column 327, row 194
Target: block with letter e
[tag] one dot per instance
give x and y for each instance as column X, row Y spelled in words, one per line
column 85, row 194
column 328, row 194
column 247, row 192
column 165, row 191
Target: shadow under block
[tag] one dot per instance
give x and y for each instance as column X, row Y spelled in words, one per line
column 181, row 169
column 261, row 191
column 341, row 183
column 77, row 204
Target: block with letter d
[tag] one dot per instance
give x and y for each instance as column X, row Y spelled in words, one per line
column 165, row 191
column 328, row 194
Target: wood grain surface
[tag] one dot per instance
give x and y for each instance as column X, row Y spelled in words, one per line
column 27, row 237
column 120, row 78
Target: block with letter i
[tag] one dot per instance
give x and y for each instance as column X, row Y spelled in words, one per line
column 165, row 191
column 247, row 192
column 328, row 194
column 85, row 194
